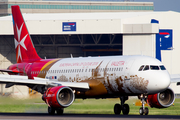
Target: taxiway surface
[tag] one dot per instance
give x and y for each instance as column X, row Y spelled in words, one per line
column 45, row 116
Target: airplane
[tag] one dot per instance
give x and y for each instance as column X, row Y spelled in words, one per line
column 60, row 81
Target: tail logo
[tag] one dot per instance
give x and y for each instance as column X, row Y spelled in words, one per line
column 19, row 42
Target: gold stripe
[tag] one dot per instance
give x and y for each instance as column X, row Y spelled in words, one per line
column 48, row 63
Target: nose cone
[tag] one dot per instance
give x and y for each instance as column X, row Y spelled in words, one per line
column 159, row 82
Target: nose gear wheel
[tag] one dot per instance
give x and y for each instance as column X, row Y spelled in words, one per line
column 143, row 110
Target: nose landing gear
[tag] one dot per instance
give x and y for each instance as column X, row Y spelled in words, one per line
column 123, row 107
column 143, row 110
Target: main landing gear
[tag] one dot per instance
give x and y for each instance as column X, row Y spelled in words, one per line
column 52, row 110
column 143, row 110
column 123, row 107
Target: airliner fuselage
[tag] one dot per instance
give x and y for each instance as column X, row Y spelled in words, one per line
column 107, row 76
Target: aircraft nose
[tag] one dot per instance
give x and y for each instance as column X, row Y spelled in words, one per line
column 159, row 82
column 164, row 81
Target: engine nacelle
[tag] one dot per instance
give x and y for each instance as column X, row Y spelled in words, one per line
column 59, row 97
column 162, row 100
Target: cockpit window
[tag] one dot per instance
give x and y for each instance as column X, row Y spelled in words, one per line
column 153, row 67
column 146, row 67
column 162, row 67
column 140, row 69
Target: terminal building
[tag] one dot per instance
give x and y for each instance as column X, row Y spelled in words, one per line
column 60, row 29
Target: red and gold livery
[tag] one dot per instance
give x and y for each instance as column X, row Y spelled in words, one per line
column 60, row 81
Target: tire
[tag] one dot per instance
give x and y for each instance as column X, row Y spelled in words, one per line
column 146, row 111
column 117, row 109
column 141, row 112
column 125, row 109
column 60, row 111
column 51, row 111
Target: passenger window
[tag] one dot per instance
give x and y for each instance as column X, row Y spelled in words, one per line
column 153, row 67
column 146, row 67
column 140, row 69
column 162, row 67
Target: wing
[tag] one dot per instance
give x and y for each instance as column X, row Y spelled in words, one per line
column 175, row 78
column 39, row 83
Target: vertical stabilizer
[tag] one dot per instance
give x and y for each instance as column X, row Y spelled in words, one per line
column 25, row 50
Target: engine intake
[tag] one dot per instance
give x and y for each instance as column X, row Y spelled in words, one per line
column 162, row 100
column 60, row 96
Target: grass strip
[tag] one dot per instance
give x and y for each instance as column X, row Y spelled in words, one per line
column 88, row 106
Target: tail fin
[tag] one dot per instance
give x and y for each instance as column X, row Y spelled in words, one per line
column 25, row 50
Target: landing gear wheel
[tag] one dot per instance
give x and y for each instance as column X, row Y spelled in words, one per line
column 146, row 111
column 51, row 110
column 117, row 109
column 60, row 111
column 141, row 111
column 125, row 109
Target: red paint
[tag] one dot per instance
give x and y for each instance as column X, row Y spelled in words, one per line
column 71, row 24
column 28, row 68
column 50, row 97
column 153, row 101
column 164, row 33
column 78, row 64
column 25, row 51
column 27, row 58
column 117, row 63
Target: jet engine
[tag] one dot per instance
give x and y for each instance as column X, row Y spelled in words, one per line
column 162, row 100
column 59, row 97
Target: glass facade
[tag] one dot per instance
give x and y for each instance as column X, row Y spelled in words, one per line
column 81, row 7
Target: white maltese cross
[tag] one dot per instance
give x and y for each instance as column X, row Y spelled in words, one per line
column 20, row 42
